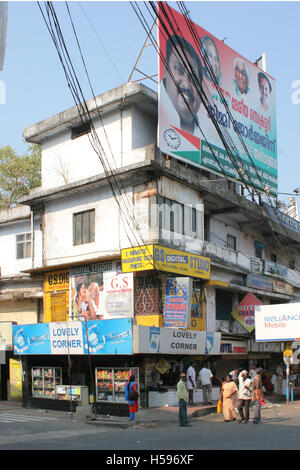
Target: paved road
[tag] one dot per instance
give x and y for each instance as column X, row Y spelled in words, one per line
column 34, row 430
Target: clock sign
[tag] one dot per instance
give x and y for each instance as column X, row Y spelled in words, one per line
column 172, row 138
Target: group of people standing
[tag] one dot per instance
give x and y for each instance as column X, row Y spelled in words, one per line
column 237, row 392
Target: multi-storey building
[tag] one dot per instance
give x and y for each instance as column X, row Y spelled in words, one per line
column 107, row 189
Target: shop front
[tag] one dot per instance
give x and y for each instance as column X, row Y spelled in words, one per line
column 167, row 352
column 70, row 364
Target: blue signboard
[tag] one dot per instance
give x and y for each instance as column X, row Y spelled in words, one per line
column 92, row 337
column 31, row 339
column 107, row 336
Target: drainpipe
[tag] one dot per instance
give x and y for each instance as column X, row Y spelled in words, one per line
column 32, row 238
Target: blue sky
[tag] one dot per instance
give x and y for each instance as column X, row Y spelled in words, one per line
column 111, row 38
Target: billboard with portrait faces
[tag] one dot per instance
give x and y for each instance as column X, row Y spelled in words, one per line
column 247, row 118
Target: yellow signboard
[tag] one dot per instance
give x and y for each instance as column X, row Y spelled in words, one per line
column 58, row 280
column 165, row 259
column 288, row 350
column 15, row 378
column 139, row 258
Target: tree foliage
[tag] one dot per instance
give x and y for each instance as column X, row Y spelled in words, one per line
column 18, row 174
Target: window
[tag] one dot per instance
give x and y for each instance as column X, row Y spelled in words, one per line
column 259, row 249
column 78, row 131
column 291, row 264
column 231, row 242
column 24, row 245
column 273, row 258
column 84, row 227
column 176, row 217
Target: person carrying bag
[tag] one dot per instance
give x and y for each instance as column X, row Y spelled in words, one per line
column 132, row 396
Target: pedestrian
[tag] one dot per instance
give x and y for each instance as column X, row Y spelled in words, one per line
column 244, row 397
column 182, row 396
column 257, row 396
column 234, row 376
column 228, row 397
column 191, row 382
column 252, row 372
column 279, row 378
column 205, row 378
column 132, row 396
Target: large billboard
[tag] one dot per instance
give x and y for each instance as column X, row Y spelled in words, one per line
column 185, row 127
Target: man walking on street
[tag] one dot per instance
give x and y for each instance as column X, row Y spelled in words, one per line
column 182, row 396
column 245, row 388
column 205, row 377
column 257, row 396
column 191, row 382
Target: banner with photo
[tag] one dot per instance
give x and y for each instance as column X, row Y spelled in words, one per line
column 100, row 292
column 185, row 127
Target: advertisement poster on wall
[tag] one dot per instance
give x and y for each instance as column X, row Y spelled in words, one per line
column 244, row 312
column 246, row 114
column 15, row 378
column 100, row 292
column 74, row 338
column 177, row 305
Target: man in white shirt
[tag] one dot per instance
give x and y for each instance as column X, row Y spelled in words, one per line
column 205, row 378
column 245, row 389
column 252, row 372
column 191, row 382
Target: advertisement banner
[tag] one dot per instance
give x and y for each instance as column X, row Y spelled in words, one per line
column 185, row 126
column 177, row 307
column 100, row 292
column 244, row 312
column 155, row 340
column 108, row 337
column 75, row 338
column 279, row 322
column 15, row 378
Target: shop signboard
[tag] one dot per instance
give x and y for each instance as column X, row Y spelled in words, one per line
column 57, row 280
column 244, row 312
column 74, row 338
column 247, row 110
column 280, row 322
column 165, row 259
column 274, row 269
column 155, row 340
column 282, row 287
column 259, row 282
column 233, row 347
column 177, row 308
column 100, row 292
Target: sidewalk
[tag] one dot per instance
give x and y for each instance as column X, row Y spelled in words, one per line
column 164, row 416
column 153, row 417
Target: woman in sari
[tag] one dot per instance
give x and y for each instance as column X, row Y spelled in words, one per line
column 132, row 387
column 229, row 397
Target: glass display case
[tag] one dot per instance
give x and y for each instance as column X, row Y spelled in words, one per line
column 111, row 383
column 44, row 381
column 75, row 393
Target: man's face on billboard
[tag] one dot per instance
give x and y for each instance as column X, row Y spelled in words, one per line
column 241, row 76
column 213, row 57
column 264, row 89
column 181, row 89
